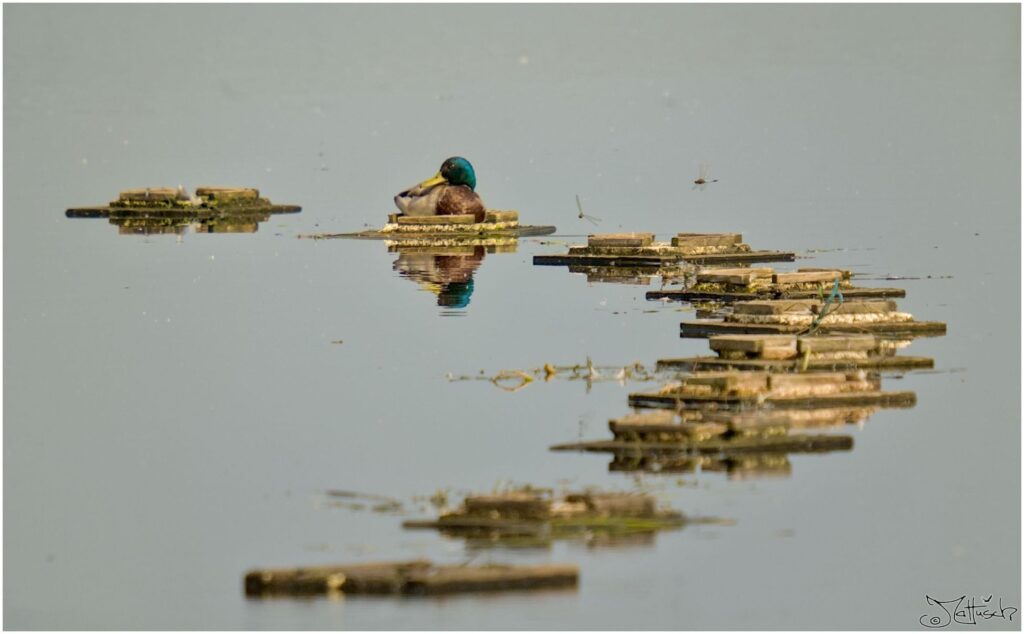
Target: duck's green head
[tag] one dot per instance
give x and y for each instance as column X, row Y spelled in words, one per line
column 454, row 171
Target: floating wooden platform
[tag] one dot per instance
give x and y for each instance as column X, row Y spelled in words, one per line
column 753, row 442
column 745, row 284
column 532, row 514
column 419, row 577
column 414, row 228
column 792, row 316
column 168, row 203
column 639, row 249
column 790, row 353
column 744, row 390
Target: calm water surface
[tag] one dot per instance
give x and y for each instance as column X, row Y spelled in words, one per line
column 175, row 408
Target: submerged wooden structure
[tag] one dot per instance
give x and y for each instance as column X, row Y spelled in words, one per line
column 413, row 228
column 797, row 316
column 745, row 390
column 640, row 249
column 743, row 284
column 792, row 353
column 409, row 578
column 534, row 517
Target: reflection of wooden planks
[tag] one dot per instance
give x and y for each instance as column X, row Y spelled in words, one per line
column 841, row 399
column 470, row 231
column 186, row 213
column 419, row 577
column 768, row 292
column 788, row 443
column 708, row 327
column 654, row 260
column 795, row 365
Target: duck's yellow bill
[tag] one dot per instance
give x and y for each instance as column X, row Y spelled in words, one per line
column 436, row 179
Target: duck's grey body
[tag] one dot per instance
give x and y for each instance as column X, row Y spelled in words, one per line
column 419, row 200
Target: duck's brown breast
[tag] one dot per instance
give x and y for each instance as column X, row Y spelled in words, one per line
column 460, row 199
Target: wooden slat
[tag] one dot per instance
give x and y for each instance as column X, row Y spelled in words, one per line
column 152, row 194
column 837, row 343
column 807, row 277
column 733, row 276
column 881, row 363
column 787, row 443
column 641, row 260
column 502, row 216
column 620, row 239
column 843, row 399
column 708, row 327
column 454, row 219
column 751, row 343
column 418, row 577
column 776, row 307
column 226, row 194
column 860, row 307
column 706, row 239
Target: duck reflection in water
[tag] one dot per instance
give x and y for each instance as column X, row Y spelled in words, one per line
column 447, row 272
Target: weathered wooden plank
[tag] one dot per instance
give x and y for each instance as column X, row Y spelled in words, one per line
column 881, row 363
column 858, row 307
column 846, row 274
column 489, row 578
column 807, row 277
column 754, row 344
column 645, row 418
column 737, row 276
column 788, row 306
column 776, row 307
column 649, row 260
column 418, row 236
column 848, row 293
column 418, row 577
column 228, row 194
column 706, row 327
column 149, row 194
column 788, row 443
column 454, row 219
column 768, row 292
column 502, row 216
column 842, row 399
column 620, row 239
column 706, row 239
column 522, row 505
column 730, row 381
column 616, row 504
column 837, row 343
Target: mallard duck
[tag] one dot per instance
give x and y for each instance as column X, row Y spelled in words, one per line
column 449, row 192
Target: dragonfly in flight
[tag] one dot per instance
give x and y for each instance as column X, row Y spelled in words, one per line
column 702, row 178
column 592, row 219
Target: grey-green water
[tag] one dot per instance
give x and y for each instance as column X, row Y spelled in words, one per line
column 174, row 409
